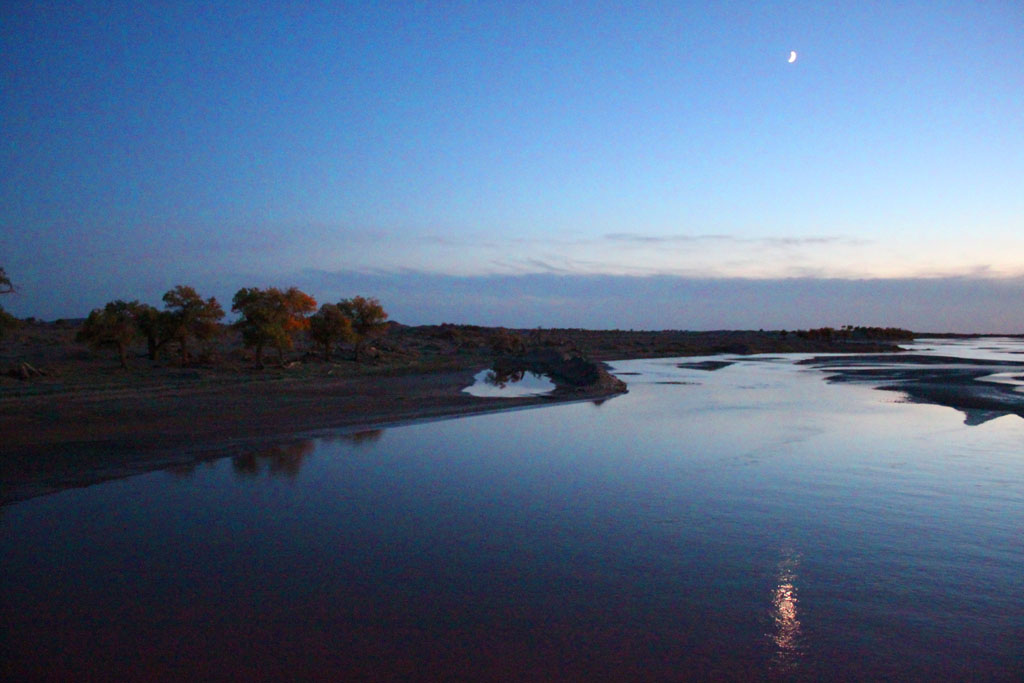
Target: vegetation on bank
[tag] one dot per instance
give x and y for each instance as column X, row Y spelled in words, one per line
column 852, row 333
column 268, row 318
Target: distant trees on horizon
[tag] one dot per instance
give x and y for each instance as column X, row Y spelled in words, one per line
column 268, row 318
column 848, row 332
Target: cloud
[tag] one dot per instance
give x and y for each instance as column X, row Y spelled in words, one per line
column 640, row 238
column 812, row 241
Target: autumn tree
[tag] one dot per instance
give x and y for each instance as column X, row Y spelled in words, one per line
column 113, row 325
column 368, row 319
column 271, row 317
column 328, row 327
column 191, row 317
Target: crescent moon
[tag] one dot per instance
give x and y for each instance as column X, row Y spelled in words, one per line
column 792, row 56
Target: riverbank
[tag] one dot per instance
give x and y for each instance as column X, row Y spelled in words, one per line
column 76, row 418
column 87, row 437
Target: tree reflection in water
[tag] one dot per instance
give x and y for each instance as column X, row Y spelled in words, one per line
column 363, row 437
column 183, row 470
column 502, row 378
column 186, row 470
column 280, row 460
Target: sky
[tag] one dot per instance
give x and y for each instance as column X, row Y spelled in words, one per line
column 602, row 164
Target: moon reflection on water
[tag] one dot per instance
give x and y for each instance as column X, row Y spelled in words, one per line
column 785, row 635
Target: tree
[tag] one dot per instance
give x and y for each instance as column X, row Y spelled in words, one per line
column 329, row 326
column 368, row 319
column 191, row 317
column 157, row 326
column 271, row 317
column 7, row 321
column 113, row 325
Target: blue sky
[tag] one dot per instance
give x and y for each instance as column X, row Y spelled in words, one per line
column 504, row 155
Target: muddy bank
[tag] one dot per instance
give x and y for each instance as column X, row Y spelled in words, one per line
column 964, row 384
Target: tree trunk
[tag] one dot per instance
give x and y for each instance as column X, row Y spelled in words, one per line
column 122, row 351
column 259, row 355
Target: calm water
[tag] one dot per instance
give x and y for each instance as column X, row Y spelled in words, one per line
column 754, row 521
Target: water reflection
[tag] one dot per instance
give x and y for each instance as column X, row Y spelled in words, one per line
column 506, row 382
column 365, row 437
column 785, row 635
column 280, row 460
column 502, row 378
column 187, row 470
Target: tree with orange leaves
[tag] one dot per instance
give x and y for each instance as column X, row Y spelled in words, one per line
column 271, row 317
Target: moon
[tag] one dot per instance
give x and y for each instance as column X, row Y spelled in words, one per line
column 792, row 56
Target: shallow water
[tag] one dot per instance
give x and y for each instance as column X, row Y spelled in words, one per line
column 747, row 521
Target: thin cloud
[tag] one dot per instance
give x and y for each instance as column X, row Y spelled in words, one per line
column 785, row 242
column 780, row 242
column 641, row 238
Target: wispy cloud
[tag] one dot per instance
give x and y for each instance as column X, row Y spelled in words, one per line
column 642, row 238
column 838, row 240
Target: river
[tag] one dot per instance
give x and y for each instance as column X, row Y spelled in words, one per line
column 749, row 521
